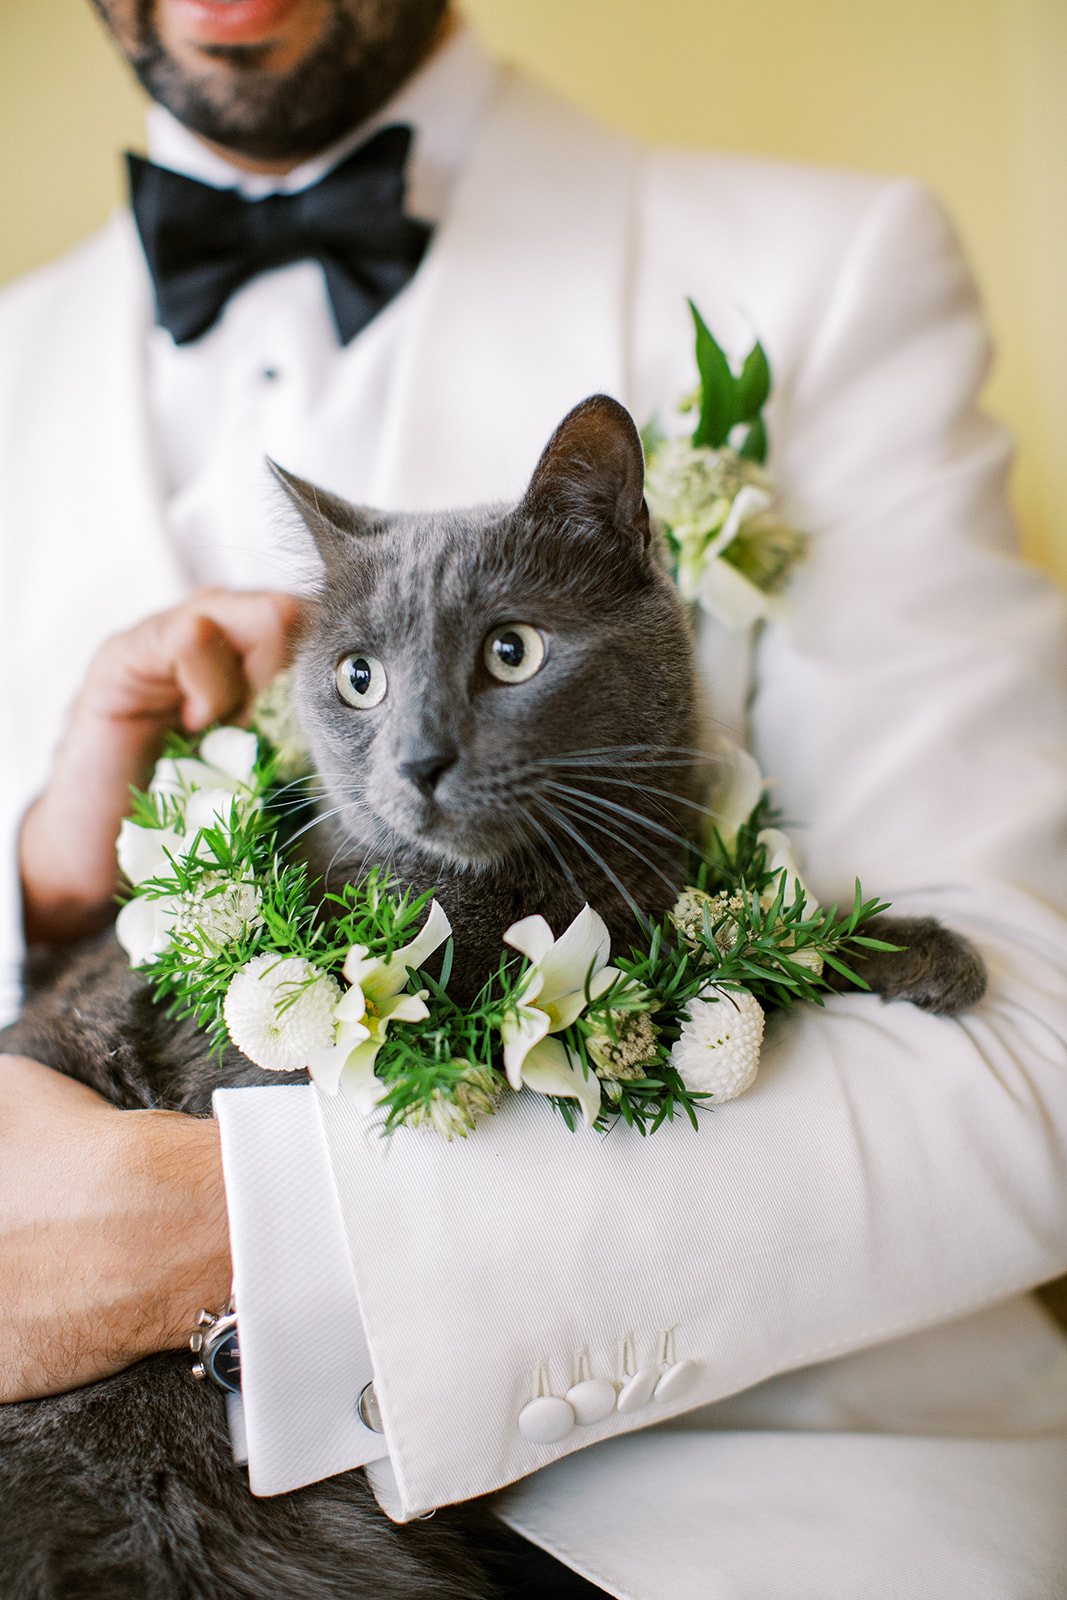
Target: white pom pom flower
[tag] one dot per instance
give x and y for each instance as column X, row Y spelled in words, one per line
column 278, row 1011
column 718, row 1052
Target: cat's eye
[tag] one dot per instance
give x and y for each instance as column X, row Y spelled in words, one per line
column 514, row 652
column 361, row 681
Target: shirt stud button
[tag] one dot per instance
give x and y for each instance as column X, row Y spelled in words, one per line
column 678, row 1377
column 367, row 1406
column 636, row 1392
column 591, row 1400
column 546, row 1420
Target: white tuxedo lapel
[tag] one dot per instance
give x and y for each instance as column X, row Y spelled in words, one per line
column 527, row 278
column 84, row 503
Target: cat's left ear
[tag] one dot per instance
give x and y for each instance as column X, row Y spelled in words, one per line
column 593, row 470
column 331, row 521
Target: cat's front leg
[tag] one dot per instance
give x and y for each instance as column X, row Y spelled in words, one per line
column 936, row 969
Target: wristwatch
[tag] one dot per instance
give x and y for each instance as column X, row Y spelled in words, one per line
column 214, row 1343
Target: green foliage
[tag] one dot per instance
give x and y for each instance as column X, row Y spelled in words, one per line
column 727, row 401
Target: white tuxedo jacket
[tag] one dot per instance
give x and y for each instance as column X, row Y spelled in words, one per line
column 891, row 1171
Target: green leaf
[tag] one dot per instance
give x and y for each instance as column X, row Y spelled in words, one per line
column 717, row 385
column 755, row 445
column 753, row 386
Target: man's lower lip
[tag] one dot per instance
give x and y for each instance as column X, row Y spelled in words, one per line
column 231, row 21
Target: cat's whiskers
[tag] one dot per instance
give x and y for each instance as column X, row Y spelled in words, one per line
column 650, row 789
column 557, row 816
column 638, row 819
column 558, row 855
column 589, row 814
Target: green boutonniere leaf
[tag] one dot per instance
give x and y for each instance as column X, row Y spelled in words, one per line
column 717, row 384
column 753, row 386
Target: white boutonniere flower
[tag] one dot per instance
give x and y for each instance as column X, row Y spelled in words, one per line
column 567, row 973
column 714, row 500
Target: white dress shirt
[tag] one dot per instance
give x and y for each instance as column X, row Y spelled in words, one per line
column 270, row 379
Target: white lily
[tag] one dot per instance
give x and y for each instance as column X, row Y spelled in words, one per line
column 376, row 997
column 551, row 1069
column 738, row 786
column 148, row 852
column 780, row 857
column 731, row 598
column 226, row 761
column 144, row 926
column 566, row 974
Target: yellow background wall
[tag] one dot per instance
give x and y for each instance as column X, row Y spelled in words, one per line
column 968, row 94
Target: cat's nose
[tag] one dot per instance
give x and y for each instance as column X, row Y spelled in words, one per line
column 428, row 767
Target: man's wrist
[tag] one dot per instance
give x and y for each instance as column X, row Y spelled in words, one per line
column 174, row 1167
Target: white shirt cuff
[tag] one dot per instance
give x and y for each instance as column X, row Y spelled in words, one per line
column 304, row 1359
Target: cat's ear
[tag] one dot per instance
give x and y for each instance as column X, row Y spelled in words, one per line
column 593, row 470
column 331, row 521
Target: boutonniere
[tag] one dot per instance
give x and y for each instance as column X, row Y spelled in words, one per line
column 712, row 496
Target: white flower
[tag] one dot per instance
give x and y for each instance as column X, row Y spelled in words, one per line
column 718, row 1051
column 474, row 1095
column 375, row 999
column 737, row 790
column 280, row 1010
column 274, row 714
column 780, row 858
column 726, row 594
column 221, row 910
column 626, row 1050
column 723, row 910
column 706, row 497
column 144, row 926
column 148, row 852
column 567, row 972
column 205, row 789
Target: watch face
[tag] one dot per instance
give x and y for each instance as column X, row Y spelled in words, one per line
column 223, row 1361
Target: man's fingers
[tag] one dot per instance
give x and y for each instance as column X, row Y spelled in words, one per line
column 261, row 626
column 208, row 672
column 199, row 663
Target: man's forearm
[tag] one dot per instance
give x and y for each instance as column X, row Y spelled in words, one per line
column 113, row 1229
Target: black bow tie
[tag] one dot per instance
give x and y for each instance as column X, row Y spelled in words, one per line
column 202, row 243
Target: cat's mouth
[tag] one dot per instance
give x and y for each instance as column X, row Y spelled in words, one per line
column 466, row 834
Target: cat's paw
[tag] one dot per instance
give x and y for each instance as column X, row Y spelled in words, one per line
column 937, row 969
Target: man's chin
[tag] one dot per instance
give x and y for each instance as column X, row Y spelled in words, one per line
column 273, row 82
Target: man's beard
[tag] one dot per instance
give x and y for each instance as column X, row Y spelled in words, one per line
column 367, row 50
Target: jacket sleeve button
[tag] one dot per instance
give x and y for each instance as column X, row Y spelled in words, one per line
column 636, row 1392
column 592, row 1400
column 676, row 1380
column 546, row 1420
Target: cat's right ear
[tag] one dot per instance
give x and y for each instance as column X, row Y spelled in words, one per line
column 592, row 472
column 331, row 521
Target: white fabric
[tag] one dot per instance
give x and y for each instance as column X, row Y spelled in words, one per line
column 891, row 1169
column 813, row 1517
column 283, row 1212
column 269, row 379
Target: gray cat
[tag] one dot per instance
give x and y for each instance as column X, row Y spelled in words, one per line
column 501, row 704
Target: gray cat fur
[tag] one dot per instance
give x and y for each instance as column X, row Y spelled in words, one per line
column 127, row 1487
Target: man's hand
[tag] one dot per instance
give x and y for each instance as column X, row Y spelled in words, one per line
column 112, row 1231
column 201, row 663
